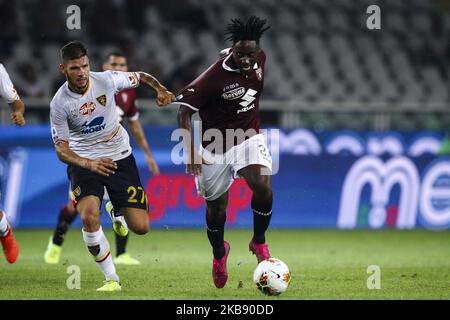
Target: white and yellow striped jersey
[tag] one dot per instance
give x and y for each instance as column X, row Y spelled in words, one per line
column 7, row 90
column 89, row 122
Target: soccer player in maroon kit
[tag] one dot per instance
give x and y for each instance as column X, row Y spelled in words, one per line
column 226, row 96
column 127, row 108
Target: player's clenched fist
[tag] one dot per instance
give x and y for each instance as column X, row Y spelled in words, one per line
column 17, row 118
column 103, row 166
column 164, row 97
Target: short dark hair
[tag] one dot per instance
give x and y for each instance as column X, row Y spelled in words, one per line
column 114, row 54
column 250, row 30
column 73, row 50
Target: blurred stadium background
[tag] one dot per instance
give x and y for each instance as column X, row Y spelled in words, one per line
column 361, row 118
column 325, row 69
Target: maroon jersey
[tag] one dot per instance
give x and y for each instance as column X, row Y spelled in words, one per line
column 224, row 98
column 126, row 100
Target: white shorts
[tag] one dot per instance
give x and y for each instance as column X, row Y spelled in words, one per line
column 221, row 170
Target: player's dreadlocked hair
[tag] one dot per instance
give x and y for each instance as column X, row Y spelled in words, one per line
column 250, row 30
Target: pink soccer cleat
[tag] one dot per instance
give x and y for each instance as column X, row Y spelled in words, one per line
column 260, row 250
column 10, row 246
column 219, row 270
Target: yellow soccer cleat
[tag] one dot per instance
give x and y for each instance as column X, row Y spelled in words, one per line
column 126, row 259
column 53, row 253
column 110, row 285
column 119, row 225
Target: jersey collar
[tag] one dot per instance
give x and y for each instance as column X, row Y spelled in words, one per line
column 77, row 95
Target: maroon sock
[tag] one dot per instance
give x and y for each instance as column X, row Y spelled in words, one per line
column 65, row 219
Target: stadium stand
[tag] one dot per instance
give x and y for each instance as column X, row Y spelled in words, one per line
column 321, row 56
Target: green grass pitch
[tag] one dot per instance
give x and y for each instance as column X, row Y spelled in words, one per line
column 176, row 264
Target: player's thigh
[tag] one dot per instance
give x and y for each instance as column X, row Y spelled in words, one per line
column 218, row 205
column 252, row 152
column 256, row 181
column 261, row 185
column 214, row 181
column 124, row 187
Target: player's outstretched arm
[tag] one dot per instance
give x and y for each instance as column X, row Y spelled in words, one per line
column 164, row 96
column 18, row 109
column 138, row 134
column 103, row 166
column 193, row 165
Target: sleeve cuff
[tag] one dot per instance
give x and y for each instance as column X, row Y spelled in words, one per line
column 185, row 104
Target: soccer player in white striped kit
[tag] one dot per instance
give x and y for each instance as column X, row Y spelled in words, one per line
column 7, row 92
column 128, row 110
column 89, row 138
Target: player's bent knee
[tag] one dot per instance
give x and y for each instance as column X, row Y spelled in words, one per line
column 91, row 221
column 141, row 228
column 217, row 209
column 262, row 190
column 137, row 220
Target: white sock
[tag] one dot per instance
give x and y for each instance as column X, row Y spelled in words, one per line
column 3, row 225
column 98, row 246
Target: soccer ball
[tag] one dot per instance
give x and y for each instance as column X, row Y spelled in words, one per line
column 272, row 276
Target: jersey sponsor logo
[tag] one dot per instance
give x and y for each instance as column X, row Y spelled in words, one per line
column 231, row 86
column 234, row 94
column 259, row 73
column 133, row 79
column 102, row 100
column 245, row 109
column 87, row 108
column 248, row 98
column 93, row 126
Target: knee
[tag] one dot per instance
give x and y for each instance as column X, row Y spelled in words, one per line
column 217, row 210
column 141, row 228
column 262, row 191
column 91, row 221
